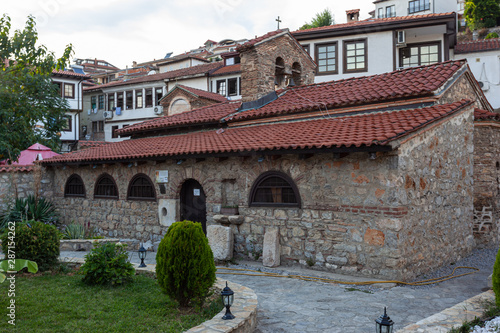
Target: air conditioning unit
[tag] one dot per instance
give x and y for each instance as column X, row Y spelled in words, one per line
column 158, row 109
column 401, row 38
column 108, row 114
column 485, row 86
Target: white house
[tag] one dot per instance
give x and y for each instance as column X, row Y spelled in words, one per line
column 379, row 45
column 392, row 8
column 71, row 88
column 483, row 57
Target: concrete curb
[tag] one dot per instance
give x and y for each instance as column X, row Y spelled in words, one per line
column 445, row 320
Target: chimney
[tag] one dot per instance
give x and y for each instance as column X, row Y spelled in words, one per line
column 352, row 15
column 134, row 64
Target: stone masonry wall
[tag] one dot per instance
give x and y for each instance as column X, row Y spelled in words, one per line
column 258, row 66
column 487, row 177
column 195, row 103
column 382, row 218
column 437, row 177
column 19, row 184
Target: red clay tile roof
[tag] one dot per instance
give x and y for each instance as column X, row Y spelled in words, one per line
column 375, row 21
column 208, row 114
column 410, row 82
column 194, row 70
column 480, row 114
column 89, row 144
column 371, row 129
column 256, row 40
column 478, row 45
column 14, row 168
column 352, row 11
column 203, row 93
column 231, row 69
column 68, row 73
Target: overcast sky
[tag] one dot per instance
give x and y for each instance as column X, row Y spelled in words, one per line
column 122, row 31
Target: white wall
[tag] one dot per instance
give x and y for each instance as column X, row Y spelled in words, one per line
column 435, row 6
column 486, row 68
column 196, row 82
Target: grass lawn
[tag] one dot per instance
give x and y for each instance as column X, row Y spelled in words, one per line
column 62, row 303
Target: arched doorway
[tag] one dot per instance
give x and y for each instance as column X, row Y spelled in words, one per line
column 193, row 203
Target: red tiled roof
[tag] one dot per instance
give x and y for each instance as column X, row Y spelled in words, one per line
column 374, row 21
column 194, row 70
column 352, row 11
column 377, row 128
column 227, row 70
column 410, row 82
column 14, row 168
column 478, row 45
column 208, row 114
column 480, row 114
column 68, row 73
column 89, row 144
column 203, row 94
column 256, row 40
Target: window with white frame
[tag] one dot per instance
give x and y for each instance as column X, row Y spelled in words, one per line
column 390, row 11
column 355, row 56
column 326, row 58
column 420, row 54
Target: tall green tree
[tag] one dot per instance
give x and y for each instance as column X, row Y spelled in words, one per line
column 322, row 19
column 481, row 13
column 31, row 106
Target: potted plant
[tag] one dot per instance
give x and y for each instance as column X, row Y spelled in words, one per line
column 229, row 210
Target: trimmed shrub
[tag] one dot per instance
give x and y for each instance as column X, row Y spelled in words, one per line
column 185, row 265
column 35, row 241
column 495, row 278
column 491, row 35
column 107, row 264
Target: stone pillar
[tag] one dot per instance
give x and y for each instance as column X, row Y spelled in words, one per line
column 221, row 241
column 271, row 251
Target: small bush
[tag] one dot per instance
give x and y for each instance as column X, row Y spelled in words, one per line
column 30, row 208
column 185, row 264
column 34, row 241
column 107, row 264
column 74, row 231
column 495, row 279
column 491, row 35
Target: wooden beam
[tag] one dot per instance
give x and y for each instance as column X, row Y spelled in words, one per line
column 201, row 159
column 305, row 156
column 221, row 159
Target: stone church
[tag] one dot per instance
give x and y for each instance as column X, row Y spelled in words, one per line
column 370, row 176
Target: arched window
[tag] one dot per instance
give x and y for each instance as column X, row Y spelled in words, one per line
column 105, row 187
column 74, row 187
column 297, row 73
column 178, row 106
column 279, row 73
column 141, row 188
column 274, row 189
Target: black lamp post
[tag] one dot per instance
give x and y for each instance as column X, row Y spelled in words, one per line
column 142, row 255
column 384, row 323
column 227, row 298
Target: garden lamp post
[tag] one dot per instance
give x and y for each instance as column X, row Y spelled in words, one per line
column 384, row 323
column 227, row 299
column 142, row 255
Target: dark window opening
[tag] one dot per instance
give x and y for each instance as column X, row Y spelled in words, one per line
column 141, row 188
column 101, row 102
column 106, row 188
column 93, row 102
column 113, row 132
column 138, row 99
column 129, row 103
column 274, row 189
column 67, row 124
column 119, row 100
column 418, row 6
column 74, row 187
column 159, row 95
column 149, row 98
column 111, row 102
column 279, row 73
column 232, row 87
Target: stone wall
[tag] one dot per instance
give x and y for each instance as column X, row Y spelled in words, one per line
column 487, row 177
column 194, row 102
column 258, row 66
column 19, row 182
column 393, row 217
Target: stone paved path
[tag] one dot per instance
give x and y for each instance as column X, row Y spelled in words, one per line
column 289, row 305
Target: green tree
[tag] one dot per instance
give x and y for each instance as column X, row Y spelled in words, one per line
column 31, row 106
column 323, row 19
column 481, row 13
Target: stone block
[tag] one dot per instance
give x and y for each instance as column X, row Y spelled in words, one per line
column 271, row 251
column 221, row 241
column 235, row 219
